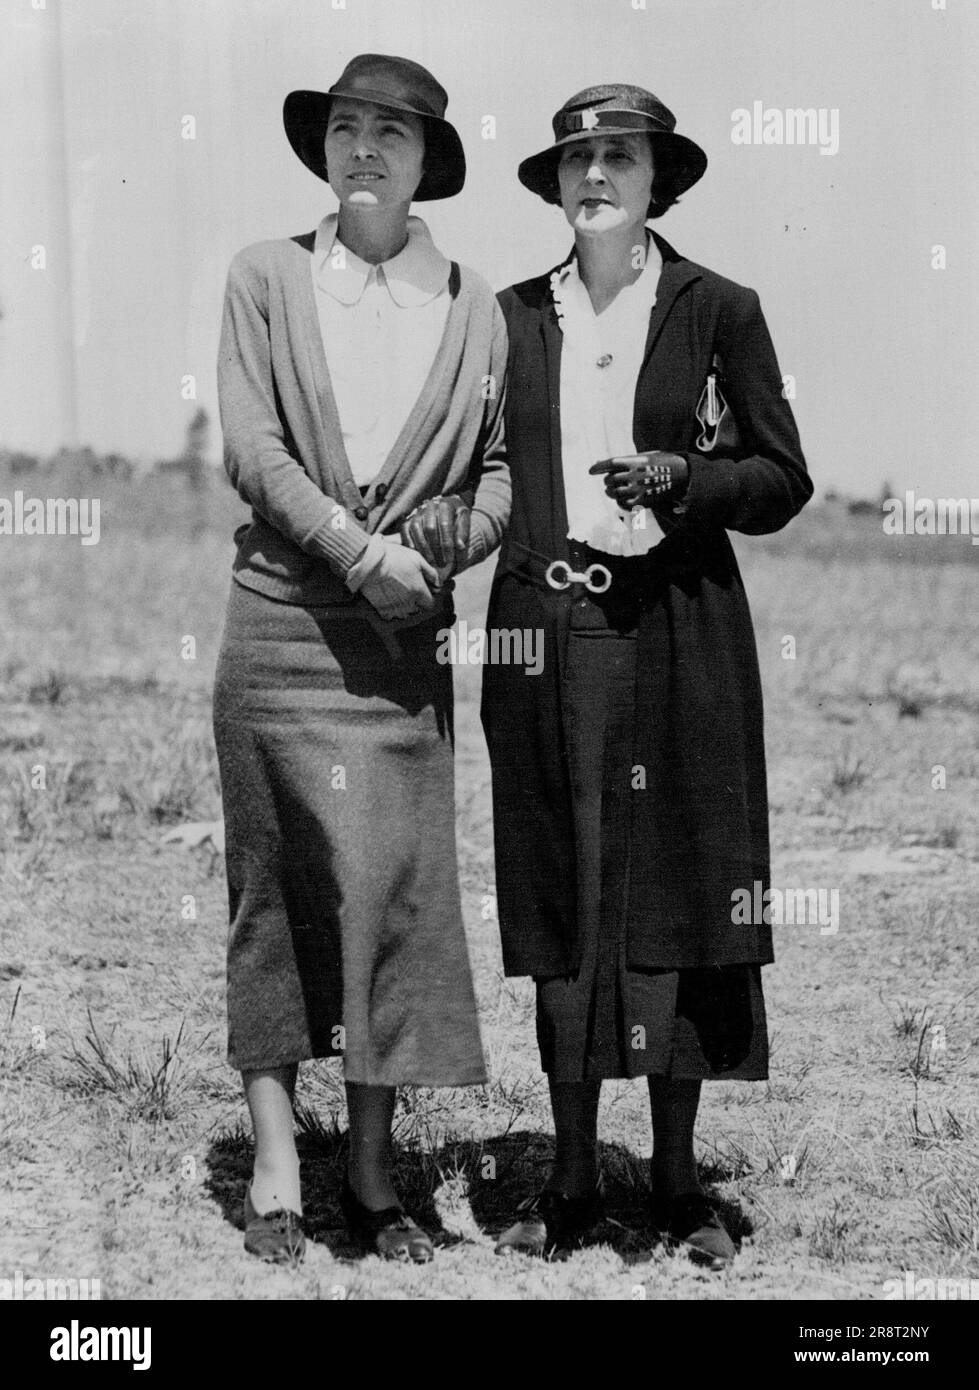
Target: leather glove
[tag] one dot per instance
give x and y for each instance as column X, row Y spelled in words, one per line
column 439, row 530
column 642, row 480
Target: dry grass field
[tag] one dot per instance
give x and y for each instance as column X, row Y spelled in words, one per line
column 123, row 1138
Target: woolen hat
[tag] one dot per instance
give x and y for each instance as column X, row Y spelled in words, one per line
column 382, row 81
column 616, row 109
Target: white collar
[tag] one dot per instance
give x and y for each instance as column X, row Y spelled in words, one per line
column 640, row 296
column 414, row 276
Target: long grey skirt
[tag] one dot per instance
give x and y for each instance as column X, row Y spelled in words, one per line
column 346, row 934
column 610, row 1020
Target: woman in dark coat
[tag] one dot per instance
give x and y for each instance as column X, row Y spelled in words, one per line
column 353, row 376
column 645, row 418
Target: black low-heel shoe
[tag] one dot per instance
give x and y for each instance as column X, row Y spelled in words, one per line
column 551, row 1224
column 691, row 1221
column 278, row 1236
column 390, row 1233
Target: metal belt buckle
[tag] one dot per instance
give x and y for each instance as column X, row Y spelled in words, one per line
column 595, row 588
column 578, row 577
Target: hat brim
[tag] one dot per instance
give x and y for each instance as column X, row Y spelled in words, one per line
column 687, row 161
column 305, row 114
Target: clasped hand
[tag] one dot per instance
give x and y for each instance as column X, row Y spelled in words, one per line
column 401, row 584
column 640, row 480
column 439, row 530
column 434, row 538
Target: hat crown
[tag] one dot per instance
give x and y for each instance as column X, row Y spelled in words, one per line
column 615, row 109
column 374, row 77
column 578, row 112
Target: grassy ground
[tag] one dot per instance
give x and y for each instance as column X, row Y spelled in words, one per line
column 123, row 1142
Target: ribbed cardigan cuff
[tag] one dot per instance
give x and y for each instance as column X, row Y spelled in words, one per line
column 341, row 545
column 485, row 533
column 370, row 559
column 481, row 539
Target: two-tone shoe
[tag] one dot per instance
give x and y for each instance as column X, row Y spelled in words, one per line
column 390, row 1233
column 690, row 1220
column 276, row 1236
column 552, row 1223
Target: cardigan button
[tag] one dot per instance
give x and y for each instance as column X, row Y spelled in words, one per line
column 380, row 492
column 361, row 513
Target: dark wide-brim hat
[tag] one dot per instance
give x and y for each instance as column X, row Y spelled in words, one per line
column 399, row 84
column 616, row 109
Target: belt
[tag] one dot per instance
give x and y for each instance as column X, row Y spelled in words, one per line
column 593, row 570
column 577, row 572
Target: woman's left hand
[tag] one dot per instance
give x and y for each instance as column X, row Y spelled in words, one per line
column 439, row 530
column 640, row 480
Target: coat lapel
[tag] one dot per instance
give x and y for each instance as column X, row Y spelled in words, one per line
column 557, row 507
column 674, row 277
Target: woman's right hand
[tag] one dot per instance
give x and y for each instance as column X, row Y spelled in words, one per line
column 402, row 583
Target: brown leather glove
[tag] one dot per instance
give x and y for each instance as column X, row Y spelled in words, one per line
column 439, row 530
column 642, row 480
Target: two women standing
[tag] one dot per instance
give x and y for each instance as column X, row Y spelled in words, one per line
column 644, row 418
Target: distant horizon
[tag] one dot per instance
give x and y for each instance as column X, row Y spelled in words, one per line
column 147, row 463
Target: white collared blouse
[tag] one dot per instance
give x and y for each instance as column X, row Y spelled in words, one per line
column 601, row 357
column 381, row 327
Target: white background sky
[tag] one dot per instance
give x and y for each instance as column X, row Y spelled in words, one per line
column 883, row 347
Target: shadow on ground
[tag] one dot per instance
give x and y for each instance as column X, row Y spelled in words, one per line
column 496, row 1174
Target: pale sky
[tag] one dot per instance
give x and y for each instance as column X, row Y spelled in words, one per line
column 882, row 345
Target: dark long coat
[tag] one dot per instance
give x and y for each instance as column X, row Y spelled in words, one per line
column 699, row 804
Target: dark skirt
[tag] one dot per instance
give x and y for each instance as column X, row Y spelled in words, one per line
column 346, row 933
column 610, row 1020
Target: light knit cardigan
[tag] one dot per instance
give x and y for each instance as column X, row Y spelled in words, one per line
column 283, row 445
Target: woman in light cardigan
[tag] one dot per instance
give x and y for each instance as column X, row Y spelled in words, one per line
column 361, row 380
column 645, row 419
